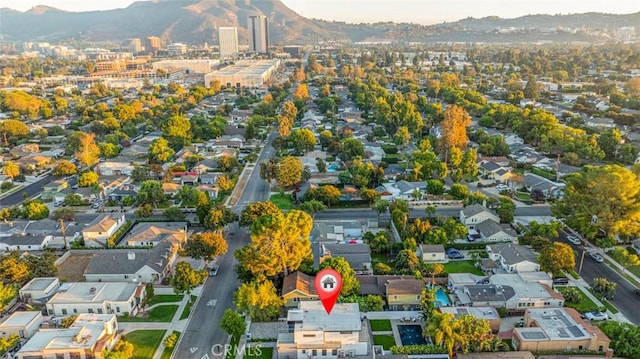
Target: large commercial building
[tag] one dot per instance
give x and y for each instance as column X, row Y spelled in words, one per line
column 188, row 66
column 177, row 49
column 152, row 44
column 244, row 73
column 258, row 27
column 228, row 41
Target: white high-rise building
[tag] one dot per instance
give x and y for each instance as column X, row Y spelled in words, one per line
column 228, row 41
column 258, row 34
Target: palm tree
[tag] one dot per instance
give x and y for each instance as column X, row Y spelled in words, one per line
column 440, row 327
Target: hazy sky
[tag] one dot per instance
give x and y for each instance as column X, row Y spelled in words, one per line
column 420, row 11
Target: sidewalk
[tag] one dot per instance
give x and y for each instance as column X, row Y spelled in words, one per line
column 584, row 287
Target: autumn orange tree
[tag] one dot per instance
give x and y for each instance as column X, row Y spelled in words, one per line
column 88, row 152
column 454, row 130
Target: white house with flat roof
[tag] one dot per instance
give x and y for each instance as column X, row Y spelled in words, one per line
column 316, row 334
column 22, row 324
column 86, row 338
column 39, row 289
column 97, row 297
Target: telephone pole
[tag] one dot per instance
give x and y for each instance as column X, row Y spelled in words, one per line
column 64, row 233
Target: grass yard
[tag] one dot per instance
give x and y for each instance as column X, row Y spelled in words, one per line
column 187, row 308
column 606, row 303
column 585, row 304
column 523, row 196
column 163, row 313
column 166, row 353
column 145, row 342
column 283, row 201
column 380, row 325
column 462, row 267
column 265, row 353
column 231, row 354
column 165, row 298
column 387, row 341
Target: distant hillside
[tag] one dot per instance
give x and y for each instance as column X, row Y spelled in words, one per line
column 196, row 21
column 187, row 21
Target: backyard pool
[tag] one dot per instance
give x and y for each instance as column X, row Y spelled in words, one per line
column 442, row 300
column 411, row 334
column 332, row 168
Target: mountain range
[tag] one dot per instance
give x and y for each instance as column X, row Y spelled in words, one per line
column 196, row 21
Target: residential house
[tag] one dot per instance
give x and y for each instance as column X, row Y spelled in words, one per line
column 42, row 227
column 515, row 295
column 208, row 178
column 22, row 324
column 500, row 160
column 357, row 255
column 315, row 334
column 493, row 170
column 457, row 281
column 559, row 329
column 170, row 189
column 600, row 123
column 431, row 253
column 113, row 168
column 135, row 265
column 404, row 294
column 97, row 233
column 8, row 228
column 475, row 214
column 87, row 194
column 513, row 258
column 52, row 188
column 39, row 289
column 206, row 165
column 119, row 298
column 297, row 287
column 22, row 242
column 211, row 190
column 549, row 188
column 87, row 337
column 406, row 190
column 152, row 233
column 491, row 231
column 489, row 314
column 120, row 193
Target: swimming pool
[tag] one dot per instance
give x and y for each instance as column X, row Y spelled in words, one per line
column 411, row 334
column 442, row 300
column 332, row 168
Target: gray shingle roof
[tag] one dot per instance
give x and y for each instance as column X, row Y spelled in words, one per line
column 118, row 262
column 490, row 292
column 474, row 209
column 488, row 228
column 513, row 253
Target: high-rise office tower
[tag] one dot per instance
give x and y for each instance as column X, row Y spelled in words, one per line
column 228, row 41
column 152, row 44
column 135, row 45
column 258, row 34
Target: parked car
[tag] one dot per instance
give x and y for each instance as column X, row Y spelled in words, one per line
column 502, row 187
column 596, row 257
column 574, row 240
column 597, row 316
column 636, row 291
column 214, row 270
column 453, row 253
column 560, row 280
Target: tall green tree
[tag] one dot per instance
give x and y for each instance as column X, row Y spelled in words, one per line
column 206, row 245
column 350, row 285
column 185, row 278
column 259, row 300
column 233, row 323
column 255, row 210
column 557, row 257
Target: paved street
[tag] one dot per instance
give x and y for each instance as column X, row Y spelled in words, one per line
column 31, row 190
column 625, row 300
column 203, row 331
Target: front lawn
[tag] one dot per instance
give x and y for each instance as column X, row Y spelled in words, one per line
column 605, row 302
column 187, row 308
column 387, row 341
column 283, row 201
column 585, row 304
column 380, row 325
column 523, row 196
column 163, row 313
column 145, row 342
column 467, row 266
column 165, row 298
column 265, row 353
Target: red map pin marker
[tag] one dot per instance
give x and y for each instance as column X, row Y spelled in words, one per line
column 328, row 286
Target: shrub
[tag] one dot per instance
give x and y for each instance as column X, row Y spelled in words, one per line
column 418, row 349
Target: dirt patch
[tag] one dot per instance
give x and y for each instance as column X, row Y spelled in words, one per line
column 72, row 269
